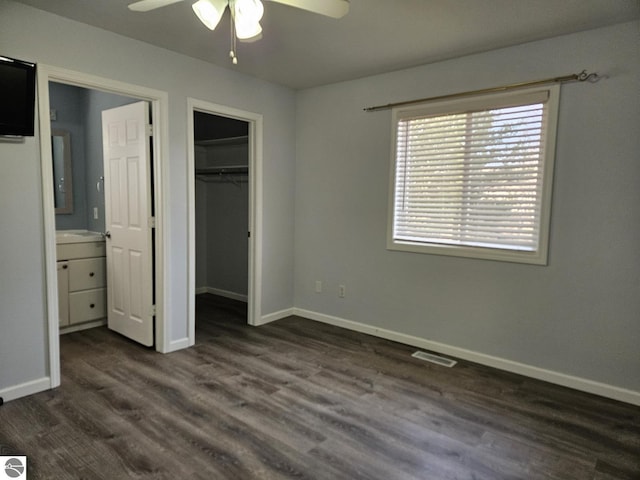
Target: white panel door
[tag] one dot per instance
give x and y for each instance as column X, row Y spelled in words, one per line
column 127, row 160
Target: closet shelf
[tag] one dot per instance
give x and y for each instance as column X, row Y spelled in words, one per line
column 224, row 170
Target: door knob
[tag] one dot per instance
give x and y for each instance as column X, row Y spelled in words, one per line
column 107, row 234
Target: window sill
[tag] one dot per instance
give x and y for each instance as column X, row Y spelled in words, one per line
column 481, row 253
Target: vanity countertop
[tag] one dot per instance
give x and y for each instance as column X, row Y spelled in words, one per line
column 78, row 236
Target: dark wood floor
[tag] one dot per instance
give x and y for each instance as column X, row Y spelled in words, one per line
column 299, row 399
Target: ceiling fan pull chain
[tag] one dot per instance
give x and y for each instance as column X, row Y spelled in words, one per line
column 232, row 41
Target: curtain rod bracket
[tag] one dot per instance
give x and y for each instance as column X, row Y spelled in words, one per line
column 583, row 76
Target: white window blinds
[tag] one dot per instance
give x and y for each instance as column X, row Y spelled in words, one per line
column 472, row 173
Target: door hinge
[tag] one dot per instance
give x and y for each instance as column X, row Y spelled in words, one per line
column 153, row 310
column 150, row 130
column 152, row 222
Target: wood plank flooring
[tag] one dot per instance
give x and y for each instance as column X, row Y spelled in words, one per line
column 297, row 399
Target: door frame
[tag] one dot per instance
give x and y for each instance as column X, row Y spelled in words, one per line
column 159, row 101
column 254, row 287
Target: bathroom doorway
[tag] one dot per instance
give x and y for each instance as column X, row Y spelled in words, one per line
column 99, row 94
column 92, row 259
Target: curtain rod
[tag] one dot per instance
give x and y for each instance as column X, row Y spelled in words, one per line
column 576, row 77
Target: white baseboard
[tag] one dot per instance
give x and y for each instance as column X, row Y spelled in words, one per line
column 241, row 297
column 83, row 326
column 272, row 317
column 24, row 389
column 577, row 383
column 175, row 345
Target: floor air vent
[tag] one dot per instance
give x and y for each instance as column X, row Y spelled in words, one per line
column 429, row 357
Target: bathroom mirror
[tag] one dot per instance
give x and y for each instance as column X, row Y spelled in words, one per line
column 62, row 184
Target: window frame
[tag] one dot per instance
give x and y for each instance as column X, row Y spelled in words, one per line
column 468, row 103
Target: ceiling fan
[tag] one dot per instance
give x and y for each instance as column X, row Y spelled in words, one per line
column 245, row 14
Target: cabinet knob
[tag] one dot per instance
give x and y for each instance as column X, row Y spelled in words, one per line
column 64, row 267
column 91, row 274
column 92, row 305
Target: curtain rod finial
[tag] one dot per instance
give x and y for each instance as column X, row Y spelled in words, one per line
column 588, row 77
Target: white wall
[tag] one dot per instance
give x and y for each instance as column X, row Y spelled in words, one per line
column 37, row 36
column 579, row 315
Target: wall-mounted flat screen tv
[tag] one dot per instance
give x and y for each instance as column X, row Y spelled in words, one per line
column 17, row 97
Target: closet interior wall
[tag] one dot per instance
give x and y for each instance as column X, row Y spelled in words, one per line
column 222, row 207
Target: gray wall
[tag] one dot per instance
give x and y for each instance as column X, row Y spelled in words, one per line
column 95, row 103
column 23, row 333
column 222, row 217
column 53, row 40
column 79, row 111
column 578, row 315
column 68, row 102
column 201, row 222
column 227, row 242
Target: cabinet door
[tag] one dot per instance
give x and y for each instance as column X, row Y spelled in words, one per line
column 63, row 293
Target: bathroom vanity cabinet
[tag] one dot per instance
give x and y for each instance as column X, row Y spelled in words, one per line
column 82, row 283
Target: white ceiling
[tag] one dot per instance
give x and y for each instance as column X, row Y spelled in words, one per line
column 300, row 49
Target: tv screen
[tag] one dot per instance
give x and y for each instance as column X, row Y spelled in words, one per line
column 17, row 97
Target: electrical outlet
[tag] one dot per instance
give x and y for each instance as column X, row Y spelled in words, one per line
column 342, row 291
column 318, row 286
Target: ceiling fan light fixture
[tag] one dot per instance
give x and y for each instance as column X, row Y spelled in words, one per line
column 209, row 11
column 246, row 16
column 247, row 10
column 248, row 31
column 255, row 38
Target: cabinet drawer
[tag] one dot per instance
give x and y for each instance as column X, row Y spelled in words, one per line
column 87, row 305
column 87, row 273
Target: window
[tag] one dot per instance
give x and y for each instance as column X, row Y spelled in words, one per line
column 472, row 177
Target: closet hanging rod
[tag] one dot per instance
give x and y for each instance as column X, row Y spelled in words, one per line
column 576, row 77
column 235, row 179
column 240, row 140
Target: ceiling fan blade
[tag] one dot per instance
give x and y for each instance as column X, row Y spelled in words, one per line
column 146, row 5
column 330, row 8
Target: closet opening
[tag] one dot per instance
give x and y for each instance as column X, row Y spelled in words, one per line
column 222, row 219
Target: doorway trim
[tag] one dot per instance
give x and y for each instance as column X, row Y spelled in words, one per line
column 159, row 111
column 254, row 288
